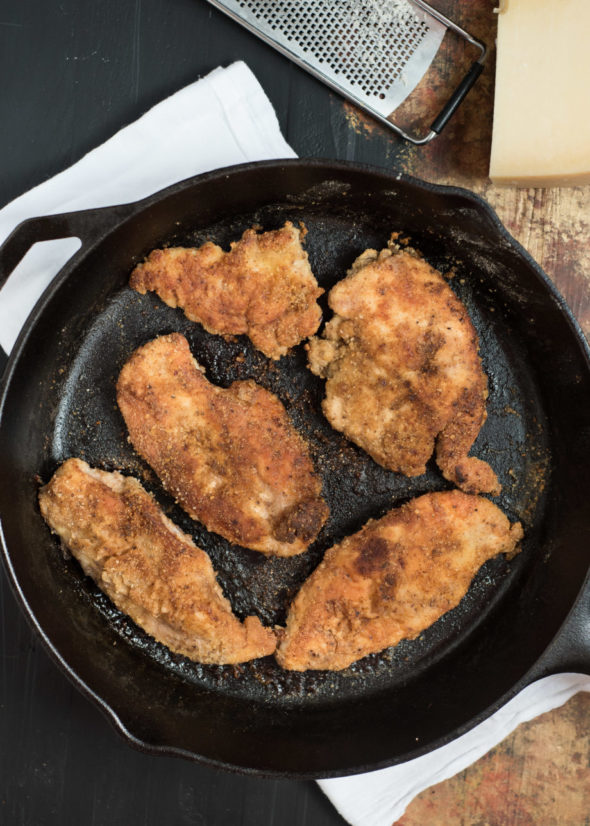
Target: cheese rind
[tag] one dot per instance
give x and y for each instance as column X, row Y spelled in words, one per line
column 541, row 134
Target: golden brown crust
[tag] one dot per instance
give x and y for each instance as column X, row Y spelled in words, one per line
column 392, row 579
column 231, row 457
column 403, row 372
column 263, row 287
column 147, row 566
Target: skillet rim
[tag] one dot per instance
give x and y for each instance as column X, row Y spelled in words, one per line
column 115, row 217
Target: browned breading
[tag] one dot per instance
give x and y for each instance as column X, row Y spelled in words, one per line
column 393, row 579
column 150, row 569
column 231, row 457
column 263, row 287
column 403, row 372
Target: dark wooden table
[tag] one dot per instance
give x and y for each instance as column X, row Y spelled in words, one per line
column 72, row 73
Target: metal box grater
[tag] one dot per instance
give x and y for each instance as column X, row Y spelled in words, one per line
column 374, row 52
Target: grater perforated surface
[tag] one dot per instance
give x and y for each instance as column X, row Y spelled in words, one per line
column 368, row 33
column 375, row 51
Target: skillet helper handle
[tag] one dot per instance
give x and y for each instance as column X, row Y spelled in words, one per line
column 88, row 225
column 570, row 650
column 456, row 98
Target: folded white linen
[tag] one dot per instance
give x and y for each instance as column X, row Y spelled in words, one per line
column 381, row 797
column 223, row 119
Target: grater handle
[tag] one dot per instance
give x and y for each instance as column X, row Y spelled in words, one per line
column 453, row 103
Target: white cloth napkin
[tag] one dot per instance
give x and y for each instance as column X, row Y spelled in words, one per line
column 380, row 798
column 221, row 120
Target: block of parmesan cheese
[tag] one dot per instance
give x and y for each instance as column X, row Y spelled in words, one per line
column 541, row 134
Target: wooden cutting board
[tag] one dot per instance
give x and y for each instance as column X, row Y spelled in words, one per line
column 539, row 776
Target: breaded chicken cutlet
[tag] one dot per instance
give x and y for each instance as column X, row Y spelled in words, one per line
column 230, row 457
column 150, row 569
column 393, row 579
column 403, row 371
column 263, row 287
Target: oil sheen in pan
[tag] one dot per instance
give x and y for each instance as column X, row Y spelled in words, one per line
column 513, row 440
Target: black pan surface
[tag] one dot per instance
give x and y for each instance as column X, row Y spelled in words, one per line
column 387, row 706
column 514, row 440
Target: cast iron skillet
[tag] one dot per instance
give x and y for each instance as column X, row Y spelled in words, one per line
column 520, row 620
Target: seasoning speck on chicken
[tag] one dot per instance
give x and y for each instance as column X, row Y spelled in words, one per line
column 230, row 457
column 263, row 287
column 393, row 579
column 150, row 569
column 403, row 371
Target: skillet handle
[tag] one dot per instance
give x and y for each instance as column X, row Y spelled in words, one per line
column 570, row 649
column 88, row 225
